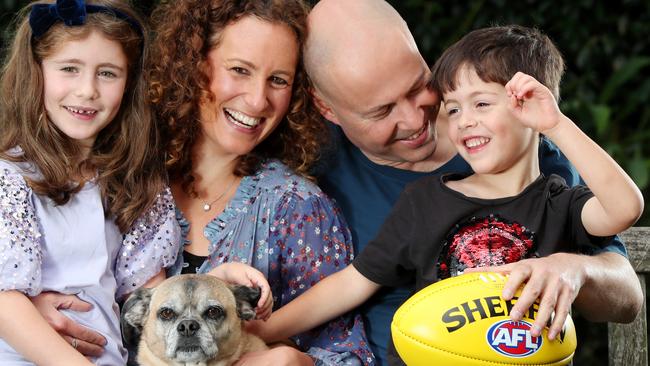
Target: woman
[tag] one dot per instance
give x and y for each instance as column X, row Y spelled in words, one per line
column 230, row 94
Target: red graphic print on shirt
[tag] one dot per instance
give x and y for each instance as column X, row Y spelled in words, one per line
column 481, row 242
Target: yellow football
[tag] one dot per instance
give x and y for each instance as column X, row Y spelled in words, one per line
column 463, row 321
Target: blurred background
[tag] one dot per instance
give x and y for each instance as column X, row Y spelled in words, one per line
column 606, row 89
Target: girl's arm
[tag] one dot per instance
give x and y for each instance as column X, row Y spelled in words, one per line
column 618, row 202
column 22, row 327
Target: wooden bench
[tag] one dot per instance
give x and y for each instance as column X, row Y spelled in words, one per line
column 628, row 343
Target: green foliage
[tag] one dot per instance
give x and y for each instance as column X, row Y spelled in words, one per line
column 606, row 49
column 10, row 5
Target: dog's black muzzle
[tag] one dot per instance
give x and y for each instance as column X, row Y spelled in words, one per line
column 188, row 328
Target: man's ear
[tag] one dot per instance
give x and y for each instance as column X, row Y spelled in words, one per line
column 246, row 299
column 322, row 106
column 134, row 314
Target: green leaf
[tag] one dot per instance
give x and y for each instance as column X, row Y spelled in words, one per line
column 601, row 116
column 638, row 168
column 629, row 70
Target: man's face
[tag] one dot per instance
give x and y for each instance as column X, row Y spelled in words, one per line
column 384, row 107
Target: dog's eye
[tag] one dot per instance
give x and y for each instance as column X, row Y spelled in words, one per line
column 166, row 314
column 214, row 312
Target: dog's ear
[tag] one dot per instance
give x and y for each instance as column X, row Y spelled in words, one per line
column 246, row 298
column 134, row 313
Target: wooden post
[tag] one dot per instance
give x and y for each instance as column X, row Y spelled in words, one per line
column 628, row 343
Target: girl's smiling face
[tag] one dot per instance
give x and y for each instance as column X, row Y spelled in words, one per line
column 84, row 83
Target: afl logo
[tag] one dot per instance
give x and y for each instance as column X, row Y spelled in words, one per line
column 513, row 339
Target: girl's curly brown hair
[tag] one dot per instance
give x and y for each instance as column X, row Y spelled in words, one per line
column 186, row 30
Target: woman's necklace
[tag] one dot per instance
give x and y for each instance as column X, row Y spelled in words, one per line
column 207, row 206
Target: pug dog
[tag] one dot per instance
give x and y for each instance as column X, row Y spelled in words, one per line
column 191, row 320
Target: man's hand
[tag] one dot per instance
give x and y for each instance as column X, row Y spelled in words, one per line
column 87, row 341
column 278, row 356
column 554, row 280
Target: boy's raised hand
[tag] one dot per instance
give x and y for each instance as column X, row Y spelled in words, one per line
column 532, row 103
column 243, row 274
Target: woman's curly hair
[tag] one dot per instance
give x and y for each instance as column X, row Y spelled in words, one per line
column 185, row 31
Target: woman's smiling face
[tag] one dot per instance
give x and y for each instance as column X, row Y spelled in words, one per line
column 252, row 71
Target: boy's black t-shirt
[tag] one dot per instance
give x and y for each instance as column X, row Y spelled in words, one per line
column 434, row 232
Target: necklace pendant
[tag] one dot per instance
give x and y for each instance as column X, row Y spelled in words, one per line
column 208, row 205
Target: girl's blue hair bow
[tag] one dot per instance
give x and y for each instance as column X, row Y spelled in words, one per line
column 71, row 13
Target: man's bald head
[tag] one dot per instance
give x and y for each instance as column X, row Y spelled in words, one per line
column 346, row 36
column 370, row 79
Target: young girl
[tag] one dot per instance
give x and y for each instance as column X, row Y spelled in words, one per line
column 83, row 207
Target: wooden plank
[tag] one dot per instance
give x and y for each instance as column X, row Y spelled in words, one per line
column 637, row 242
column 628, row 343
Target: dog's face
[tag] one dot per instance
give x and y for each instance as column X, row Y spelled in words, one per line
column 190, row 318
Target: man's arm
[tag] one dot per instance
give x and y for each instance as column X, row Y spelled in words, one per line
column 611, row 291
column 603, row 286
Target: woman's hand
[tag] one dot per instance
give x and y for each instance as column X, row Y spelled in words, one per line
column 243, row 274
column 87, row 341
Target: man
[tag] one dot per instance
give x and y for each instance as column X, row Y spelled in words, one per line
column 370, row 81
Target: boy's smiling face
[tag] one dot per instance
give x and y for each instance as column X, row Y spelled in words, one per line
column 481, row 126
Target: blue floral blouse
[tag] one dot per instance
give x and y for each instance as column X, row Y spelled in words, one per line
column 283, row 225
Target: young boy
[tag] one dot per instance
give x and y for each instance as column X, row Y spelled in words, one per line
column 504, row 212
